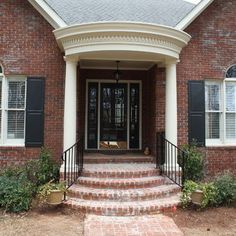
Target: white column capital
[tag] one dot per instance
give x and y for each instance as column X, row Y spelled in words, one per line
column 71, row 59
column 172, row 62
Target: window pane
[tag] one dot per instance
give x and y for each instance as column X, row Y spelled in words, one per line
column 230, row 125
column 231, row 73
column 213, row 125
column 15, row 125
column 212, row 93
column 230, row 96
column 16, row 94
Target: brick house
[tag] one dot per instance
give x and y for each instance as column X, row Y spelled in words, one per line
column 118, row 72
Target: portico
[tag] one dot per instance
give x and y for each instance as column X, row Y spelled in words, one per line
column 126, row 42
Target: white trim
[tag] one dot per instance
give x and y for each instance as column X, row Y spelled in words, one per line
column 48, row 13
column 122, row 40
column 222, row 141
column 99, row 81
column 4, row 140
column 187, row 20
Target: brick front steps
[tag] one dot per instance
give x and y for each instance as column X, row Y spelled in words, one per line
column 122, row 190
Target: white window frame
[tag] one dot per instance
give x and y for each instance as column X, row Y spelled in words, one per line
column 4, row 140
column 222, row 141
column 1, row 127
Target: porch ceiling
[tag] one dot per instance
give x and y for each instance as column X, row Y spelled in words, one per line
column 111, row 64
column 122, row 41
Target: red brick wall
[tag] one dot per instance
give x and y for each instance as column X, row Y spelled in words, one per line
column 210, row 51
column 28, row 47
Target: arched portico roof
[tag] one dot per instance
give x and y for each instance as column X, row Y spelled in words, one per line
column 122, row 40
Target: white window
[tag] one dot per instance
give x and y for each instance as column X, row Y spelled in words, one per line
column 220, row 98
column 12, row 115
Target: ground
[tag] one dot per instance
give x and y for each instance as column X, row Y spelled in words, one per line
column 211, row 222
column 56, row 221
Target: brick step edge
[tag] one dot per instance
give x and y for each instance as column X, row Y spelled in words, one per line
column 118, row 160
column 120, row 174
column 77, row 191
column 145, row 182
column 115, row 209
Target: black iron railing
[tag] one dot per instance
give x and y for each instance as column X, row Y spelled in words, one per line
column 170, row 159
column 73, row 159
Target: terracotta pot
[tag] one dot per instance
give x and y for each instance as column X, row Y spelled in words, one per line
column 55, row 197
column 147, row 151
column 197, row 197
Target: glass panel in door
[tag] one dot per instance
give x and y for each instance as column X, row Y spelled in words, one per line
column 92, row 136
column 113, row 116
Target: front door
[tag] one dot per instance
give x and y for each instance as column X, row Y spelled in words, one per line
column 113, row 116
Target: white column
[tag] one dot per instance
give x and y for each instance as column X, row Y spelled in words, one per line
column 171, row 104
column 171, row 119
column 70, row 104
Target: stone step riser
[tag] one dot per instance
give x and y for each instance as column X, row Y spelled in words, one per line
column 119, row 175
column 122, row 197
column 121, row 185
column 92, row 161
column 131, row 211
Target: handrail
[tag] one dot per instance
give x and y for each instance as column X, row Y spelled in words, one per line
column 73, row 159
column 171, row 160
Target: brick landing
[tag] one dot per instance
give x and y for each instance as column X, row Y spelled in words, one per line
column 155, row 225
column 92, row 158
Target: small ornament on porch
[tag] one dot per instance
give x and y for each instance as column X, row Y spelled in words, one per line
column 147, row 151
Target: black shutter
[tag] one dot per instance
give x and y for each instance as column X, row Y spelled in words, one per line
column 196, row 112
column 35, row 112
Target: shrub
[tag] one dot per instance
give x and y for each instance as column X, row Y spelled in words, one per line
column 42, row 170
column 226, row 189
column 189, row 187
column 209, row 193
column 193, row 164
column 16, row 193
column 18, row 185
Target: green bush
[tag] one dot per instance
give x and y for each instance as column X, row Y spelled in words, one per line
column 209, row 193
column 16, row 193
column 42, row 170
column 193, row 163
column 226, row 189
column 188, row 189
column 18, row 185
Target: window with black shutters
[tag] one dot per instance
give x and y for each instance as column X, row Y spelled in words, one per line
column 12, row 107
column 220, row 100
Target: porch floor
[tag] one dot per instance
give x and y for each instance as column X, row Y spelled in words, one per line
column 113, row 157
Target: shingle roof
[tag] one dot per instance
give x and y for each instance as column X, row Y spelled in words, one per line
column 164, row 12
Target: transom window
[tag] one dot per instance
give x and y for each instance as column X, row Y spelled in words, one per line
column 12, row 110
column 220, row 103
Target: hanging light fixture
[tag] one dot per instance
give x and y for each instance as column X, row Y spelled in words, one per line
column 117, row 72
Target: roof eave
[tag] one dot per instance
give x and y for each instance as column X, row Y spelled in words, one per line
column 48, row 13
column 186, row 21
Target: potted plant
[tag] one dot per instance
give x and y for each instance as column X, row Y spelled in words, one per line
column 52, row 192
column 197, row 197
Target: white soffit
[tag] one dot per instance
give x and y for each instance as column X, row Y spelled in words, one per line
column 123, row 65
column 184, row 23
column 48, row 13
